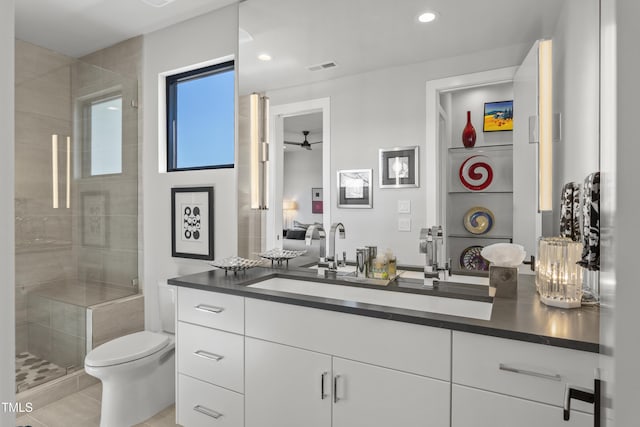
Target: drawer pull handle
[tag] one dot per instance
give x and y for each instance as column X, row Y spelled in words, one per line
column 209, row 308
column 206, row 411
column 552, row 377
column 207, row 355
column 335, row 389
column 323, row 395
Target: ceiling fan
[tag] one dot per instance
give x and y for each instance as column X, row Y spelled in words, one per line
column 304, row 144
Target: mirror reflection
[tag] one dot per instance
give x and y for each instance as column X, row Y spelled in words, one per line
column 371, row 64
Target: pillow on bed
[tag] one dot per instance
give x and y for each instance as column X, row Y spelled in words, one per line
column 296, row 234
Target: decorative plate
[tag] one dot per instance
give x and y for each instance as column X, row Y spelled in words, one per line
column 470, row 259
column 235, row 263
column 478, row 220
column 476, row 173
column 277, row 254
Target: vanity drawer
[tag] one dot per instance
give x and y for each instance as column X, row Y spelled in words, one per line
column 212, row 309
column 407, row 347
column 201, row 404
column 210, row 355
column 531, row 371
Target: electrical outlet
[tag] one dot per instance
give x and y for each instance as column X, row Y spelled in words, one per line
column 404, row 206
column 404, row 224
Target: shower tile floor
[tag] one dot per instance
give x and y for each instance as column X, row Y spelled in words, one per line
column 32, row 371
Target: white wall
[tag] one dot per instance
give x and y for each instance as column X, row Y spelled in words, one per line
column 7, row 245
column 576, row 64
column 302, row 172
column 627, row 345
column 382, row 109
column 202, row 39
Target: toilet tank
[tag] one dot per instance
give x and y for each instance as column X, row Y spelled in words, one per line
column 167, row 306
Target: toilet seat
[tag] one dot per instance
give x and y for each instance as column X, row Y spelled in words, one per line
column 126, row 349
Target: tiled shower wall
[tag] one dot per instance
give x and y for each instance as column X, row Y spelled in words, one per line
column 50, row 250
column 117, row 262
column 44, row 251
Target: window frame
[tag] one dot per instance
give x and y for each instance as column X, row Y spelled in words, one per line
column 87, row 125
column 171, row 83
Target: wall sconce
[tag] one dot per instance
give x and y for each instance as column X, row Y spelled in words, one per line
column 55, row 180
column 259, row 109
column 545, row 115
column 54, row 170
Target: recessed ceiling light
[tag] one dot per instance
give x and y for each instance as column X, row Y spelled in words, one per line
column 427, row 17
column 264, row 57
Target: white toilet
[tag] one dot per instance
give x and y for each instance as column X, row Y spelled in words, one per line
column 137, row 370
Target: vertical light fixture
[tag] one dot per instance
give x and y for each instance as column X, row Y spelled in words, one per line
column 54, row 169
column 545, row 122
column 68, row 172
column 259, row 123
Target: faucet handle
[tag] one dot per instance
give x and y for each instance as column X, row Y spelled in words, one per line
column 425, row 235
column 343, row 261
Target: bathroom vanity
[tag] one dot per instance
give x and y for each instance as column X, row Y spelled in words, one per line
column 251, row 354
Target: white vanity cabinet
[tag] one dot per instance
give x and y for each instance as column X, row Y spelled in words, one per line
column 371, row 396
column 501, row 382
column 310, row 367
column 209, row 359
column 286, row 386
column 246, row 362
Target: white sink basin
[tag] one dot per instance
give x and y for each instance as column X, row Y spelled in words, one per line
column 433, row 304
column 455, row 278
column 346, row 269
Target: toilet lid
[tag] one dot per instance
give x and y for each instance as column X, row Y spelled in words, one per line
column 125, row 349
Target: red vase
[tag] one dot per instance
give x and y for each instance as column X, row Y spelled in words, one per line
column 469, row 133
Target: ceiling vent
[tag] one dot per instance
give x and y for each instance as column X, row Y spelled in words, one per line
column 157, row 3
column 323, row 66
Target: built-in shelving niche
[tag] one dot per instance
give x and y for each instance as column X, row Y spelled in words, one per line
column 497, row 147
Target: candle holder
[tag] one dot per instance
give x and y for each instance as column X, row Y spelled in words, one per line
column 558, row 276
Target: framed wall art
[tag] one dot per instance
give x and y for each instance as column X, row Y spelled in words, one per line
column 398, row 167
column 192, row 222
column 498, row 116
column 354, row 188
column 316, row 201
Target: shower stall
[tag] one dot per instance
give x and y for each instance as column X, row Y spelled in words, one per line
column 76, row 204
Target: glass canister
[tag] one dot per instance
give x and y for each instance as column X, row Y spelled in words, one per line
column 558, row 276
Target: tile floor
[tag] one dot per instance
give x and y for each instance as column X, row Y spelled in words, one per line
column 82, row 409
column 32, row 371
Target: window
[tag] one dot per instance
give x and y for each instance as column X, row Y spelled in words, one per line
column 103, row 135
column 201, row 118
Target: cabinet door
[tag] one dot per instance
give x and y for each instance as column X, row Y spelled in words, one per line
column 371, row 396
column 284, row 386
column 478, row 408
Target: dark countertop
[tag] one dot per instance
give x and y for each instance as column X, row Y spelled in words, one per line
column 524, row 318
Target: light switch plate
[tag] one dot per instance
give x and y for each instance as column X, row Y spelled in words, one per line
column 404, row 206
column 404, row 224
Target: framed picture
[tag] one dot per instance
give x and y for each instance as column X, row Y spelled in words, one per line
column 354, row 188
column 399, row 167
column 498, row 116
column 94, row 218
column 192, row 222
column 316, row 201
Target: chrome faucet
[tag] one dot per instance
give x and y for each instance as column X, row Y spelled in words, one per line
column 431, row 244
column 323, row 238
column 331, row 258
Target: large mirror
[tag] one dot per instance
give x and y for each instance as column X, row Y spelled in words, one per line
column 364, row 67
